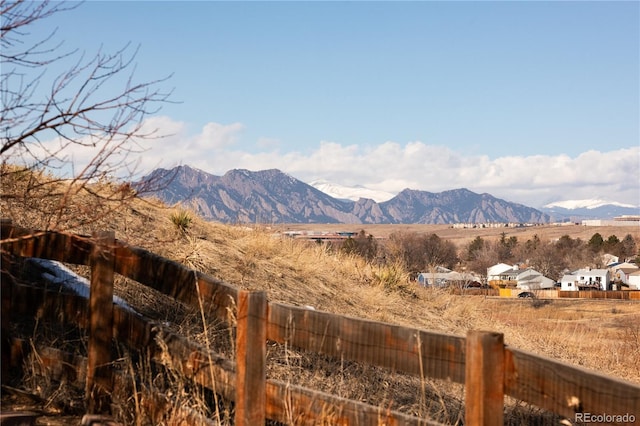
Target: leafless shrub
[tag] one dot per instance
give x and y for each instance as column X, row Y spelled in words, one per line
column 94, row 110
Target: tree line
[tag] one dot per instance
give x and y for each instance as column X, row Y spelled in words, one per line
column 422, row 252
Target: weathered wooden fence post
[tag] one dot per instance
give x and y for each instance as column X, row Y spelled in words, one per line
column 5, row 313
column 484, row 378
column 251, row 355
column 99, row 385
column 6, row 225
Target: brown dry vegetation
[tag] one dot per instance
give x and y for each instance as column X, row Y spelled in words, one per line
column 599, row 335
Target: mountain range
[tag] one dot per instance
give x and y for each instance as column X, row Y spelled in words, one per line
column 559, row 211
column 271, row 196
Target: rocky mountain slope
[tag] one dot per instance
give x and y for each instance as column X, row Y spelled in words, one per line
column 271, row 196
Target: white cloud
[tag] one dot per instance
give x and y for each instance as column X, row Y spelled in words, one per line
column 392, row 166
column 206, row 149
column 216, row 136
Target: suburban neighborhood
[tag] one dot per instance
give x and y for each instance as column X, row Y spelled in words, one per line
column 513, row 280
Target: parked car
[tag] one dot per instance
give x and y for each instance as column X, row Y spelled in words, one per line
column 527, row 294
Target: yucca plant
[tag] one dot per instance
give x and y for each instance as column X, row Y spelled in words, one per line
column 181, row 219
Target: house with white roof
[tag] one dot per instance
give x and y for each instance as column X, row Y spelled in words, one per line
column 493, row 272
column 533, row 280
column 586, row 279
column 514, row 277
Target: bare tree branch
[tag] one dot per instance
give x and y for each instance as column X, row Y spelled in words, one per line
column 96, row 108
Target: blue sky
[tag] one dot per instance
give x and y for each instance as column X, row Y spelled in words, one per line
column 518, row 99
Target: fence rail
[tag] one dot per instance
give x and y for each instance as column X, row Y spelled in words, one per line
column 599, row 294
column 488, row 369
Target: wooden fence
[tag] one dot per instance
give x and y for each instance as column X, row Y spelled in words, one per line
column 583, row 294
column 487, row 368
column 599, row 294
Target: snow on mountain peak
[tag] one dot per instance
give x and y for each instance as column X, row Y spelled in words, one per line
column 353, row 193
column 586, row 204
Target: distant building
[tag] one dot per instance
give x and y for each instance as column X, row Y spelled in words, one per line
column 625, row 220
column 480, row 225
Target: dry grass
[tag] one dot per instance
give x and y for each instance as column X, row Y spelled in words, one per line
column 600, row 335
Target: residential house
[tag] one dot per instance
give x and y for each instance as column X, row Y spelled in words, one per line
column 501, row 275
column 443, row 277
column 531, row 279
column 494, row 271
column 586, row 279
column 505, row 279
column 514, row 277
column 569, row 282
column 620, row 273
column 437, row 277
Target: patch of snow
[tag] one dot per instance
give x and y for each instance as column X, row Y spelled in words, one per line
column 586, row 204
column 353, row 193
column 57, row 273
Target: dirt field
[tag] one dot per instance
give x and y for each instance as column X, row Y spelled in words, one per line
column 463, row 236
